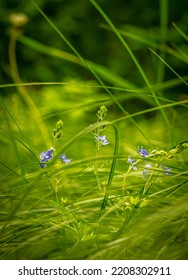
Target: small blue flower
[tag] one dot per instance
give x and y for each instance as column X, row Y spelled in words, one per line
column 166, row 169
column 132, row 162
column 143, row 153
column 102, row 140
column 65, row 160
column 46, row 156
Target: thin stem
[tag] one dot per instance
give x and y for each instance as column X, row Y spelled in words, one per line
column 22, row 90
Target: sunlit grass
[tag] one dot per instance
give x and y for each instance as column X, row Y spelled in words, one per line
column 98, row 206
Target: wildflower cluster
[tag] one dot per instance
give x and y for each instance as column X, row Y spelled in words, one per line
column 148, row 166
column 99, row 138
column 48, row 155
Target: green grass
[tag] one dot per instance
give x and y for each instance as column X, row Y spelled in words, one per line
column 98, row 206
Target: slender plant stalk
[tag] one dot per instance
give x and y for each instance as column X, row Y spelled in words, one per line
column 23, row 92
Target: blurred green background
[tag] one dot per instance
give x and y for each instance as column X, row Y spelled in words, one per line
column 83, row 26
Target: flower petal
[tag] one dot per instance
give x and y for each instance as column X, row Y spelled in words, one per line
column 143, row 153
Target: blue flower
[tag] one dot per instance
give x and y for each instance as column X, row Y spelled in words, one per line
column 143, row 153
column 65, row 160
column 102, row 140
column 166, row 169
column 46, row 156
column 132, row 162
